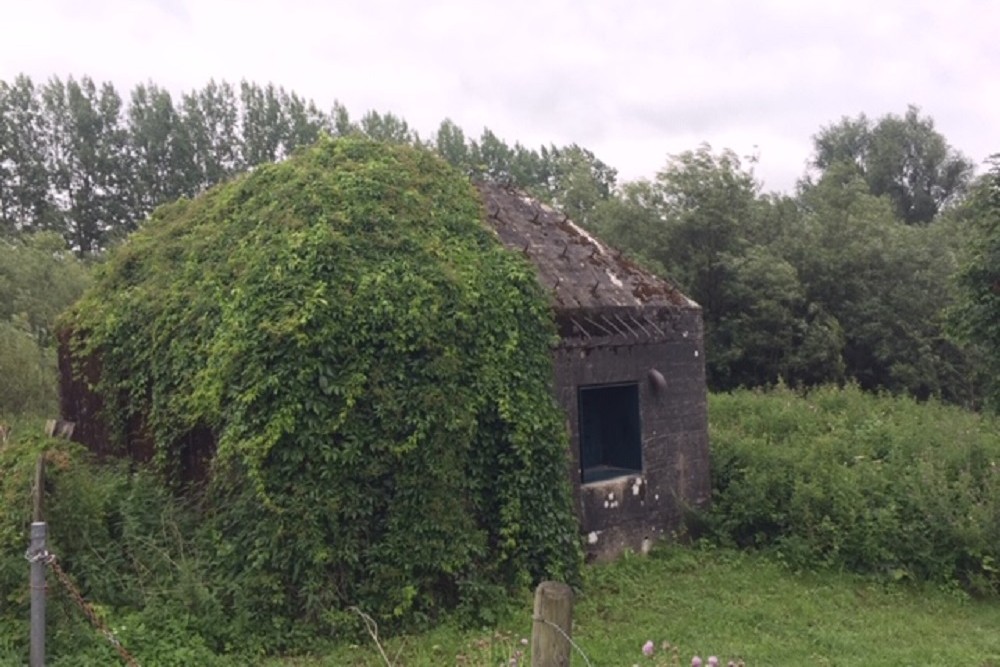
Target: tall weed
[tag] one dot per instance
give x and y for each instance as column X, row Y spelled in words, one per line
column 869, row 483
column 130, row 546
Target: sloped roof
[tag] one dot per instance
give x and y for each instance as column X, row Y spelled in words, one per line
column 580, row 271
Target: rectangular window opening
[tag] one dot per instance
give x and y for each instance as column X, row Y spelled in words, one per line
column 610, row 431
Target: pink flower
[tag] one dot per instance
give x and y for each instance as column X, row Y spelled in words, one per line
column 696, row 662
column 647, row 648
column 713, row 661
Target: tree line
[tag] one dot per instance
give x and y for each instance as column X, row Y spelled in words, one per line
column 78, row 159
column 851, row 277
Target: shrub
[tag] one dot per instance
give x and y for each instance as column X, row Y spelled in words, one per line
column 842, row 478
column 38, row 279
column 122, row 539
column 28, row 372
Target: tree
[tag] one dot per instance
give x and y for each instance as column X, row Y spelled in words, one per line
column 886, row 284
column 449, row 142
column 340, row 119
column 492, row 157
column 704, row 223
column 211, row 118
column 303, row 122
column 902, row 157
column 976, row 317
column 770, row 331
column 87, row 163
column 161, row 151
column 387, row 127
column 261, row 122
column 633, row 220
column 25, row 203
column 574, row 180
column 707, row 201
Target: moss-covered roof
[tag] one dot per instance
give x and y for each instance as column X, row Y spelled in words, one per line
column 579, row 271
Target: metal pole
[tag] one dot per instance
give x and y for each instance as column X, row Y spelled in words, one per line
column 38, row 494
column 37, row 549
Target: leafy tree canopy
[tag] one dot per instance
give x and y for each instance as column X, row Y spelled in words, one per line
column 976, row 317
column 902, row 157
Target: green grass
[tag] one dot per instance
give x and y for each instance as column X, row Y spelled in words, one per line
column 730, row 604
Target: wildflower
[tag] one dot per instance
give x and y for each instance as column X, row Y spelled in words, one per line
column 696, row 662
column 647, row 648
column 713, row 661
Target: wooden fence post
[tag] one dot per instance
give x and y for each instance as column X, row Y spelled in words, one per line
column 553, row 625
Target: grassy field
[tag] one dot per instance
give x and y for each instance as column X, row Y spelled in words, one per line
column 725, row 603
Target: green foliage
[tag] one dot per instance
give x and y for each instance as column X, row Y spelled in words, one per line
column 28, row 372
column 374, row 368
column 38, row 280
column 976, row 317
column 704, row 223
column 826, row 287
column 852, row 295
column 124, row 540
column 903, row 158
column 868, row 483
column 162, row 151
column 86, row 159
column 886, row 284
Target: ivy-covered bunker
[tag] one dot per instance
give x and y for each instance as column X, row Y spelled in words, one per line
column 629, row 375
column 213, row 342
column 349, row 375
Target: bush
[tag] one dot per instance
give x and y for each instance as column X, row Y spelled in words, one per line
column 842, row 478
column 28, row 372
column 122, row 538
column 38, row 279
column 375, row 370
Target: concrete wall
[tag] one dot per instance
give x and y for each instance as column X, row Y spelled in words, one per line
column 634, row 511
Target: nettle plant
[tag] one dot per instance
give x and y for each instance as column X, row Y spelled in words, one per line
column 374, row 370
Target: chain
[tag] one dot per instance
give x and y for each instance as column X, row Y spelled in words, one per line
column 74, row 593
column 572, row 643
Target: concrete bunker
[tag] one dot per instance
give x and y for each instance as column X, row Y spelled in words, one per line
column 629, row 375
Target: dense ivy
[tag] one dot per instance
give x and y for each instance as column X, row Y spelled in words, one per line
column 374, row 368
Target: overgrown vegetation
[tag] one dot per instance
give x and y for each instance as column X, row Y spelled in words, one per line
column 374, row 369
column 840, row 478
column 132, row 547
column 976, row 316
column 119, row 535
column 38, row 280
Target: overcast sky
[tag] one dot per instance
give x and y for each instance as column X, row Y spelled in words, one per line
column 633, row 80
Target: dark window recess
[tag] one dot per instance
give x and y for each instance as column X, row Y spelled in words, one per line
column 610, row 432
